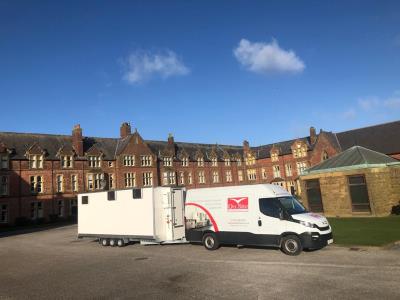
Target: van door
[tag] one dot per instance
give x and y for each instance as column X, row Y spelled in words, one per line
column 177, row 212
column 269, row 225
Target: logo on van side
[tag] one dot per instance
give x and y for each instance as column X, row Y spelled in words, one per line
column 238, row 204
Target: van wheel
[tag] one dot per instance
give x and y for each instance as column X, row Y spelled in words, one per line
column 210, row 241
column 291, row 245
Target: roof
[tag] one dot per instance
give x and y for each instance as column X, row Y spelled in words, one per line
column 384, row 138
column 353, row 158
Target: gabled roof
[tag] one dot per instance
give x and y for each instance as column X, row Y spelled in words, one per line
column 353, row 158
column 384, row 138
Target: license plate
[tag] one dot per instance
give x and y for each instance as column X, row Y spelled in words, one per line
column 330, row 241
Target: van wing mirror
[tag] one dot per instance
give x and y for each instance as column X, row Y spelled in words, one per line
column 281, row 215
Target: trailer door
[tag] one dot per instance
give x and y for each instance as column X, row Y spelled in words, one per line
column 177, row 211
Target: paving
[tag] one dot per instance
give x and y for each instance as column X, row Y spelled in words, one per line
column 53, row 264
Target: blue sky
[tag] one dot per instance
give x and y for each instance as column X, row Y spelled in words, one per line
column 207, row 71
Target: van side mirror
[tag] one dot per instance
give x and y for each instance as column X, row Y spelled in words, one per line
column 281, row 215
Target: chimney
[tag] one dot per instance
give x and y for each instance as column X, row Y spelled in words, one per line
column 125, row 129
column 171, row 139
column 313, row 135
column 77, row 140
column 246, row 146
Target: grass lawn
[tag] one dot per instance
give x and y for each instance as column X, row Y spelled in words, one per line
column 365, row 231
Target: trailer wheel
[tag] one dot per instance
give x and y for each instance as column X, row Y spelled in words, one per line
column 113, row 242
column 291, row 245
column 104, row 242
column 210, row 241
column 120, row 243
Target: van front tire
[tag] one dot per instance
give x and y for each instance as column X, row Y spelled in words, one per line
column 210, row 241
column 291, row 245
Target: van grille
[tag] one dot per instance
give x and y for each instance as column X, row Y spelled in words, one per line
column 321, row 228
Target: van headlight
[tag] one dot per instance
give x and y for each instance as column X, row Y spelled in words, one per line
column 307, row 224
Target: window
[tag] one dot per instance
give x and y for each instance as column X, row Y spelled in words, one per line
column 277, row 172
column 240, row 175
column 228, row 176
column 36, row 161
column 299, row 151
column 181, row 178
column 314, row 195
column 250, row 160
column 94, row 181
column 185, row 161
column 214, row 162
column 200, row 162
column 94, row 161
column 169, row 178
column 4, row 185
column 85, row 199
column 291, row 187
column 270, row 207
column 359, row 193
column 145, row 160
column 66, row 161
column 167, row 161
column 59, row 184
column 325, row 155
column 215, row 177
column 111, row 181
column 202, row 178
column 251, row 174
column 137, row 193
column 129, row 160
column 74, row 183
column 239, row 162
column 190, row 178
column 3, row 213
column 274, row 156
column 264, row 173
column 4, row 161
column 288, row 169
column 60, row 206
column 130, row 180
column 111, row 195
column 227, row 162
column 301, row 167
column 36, row 210
column 110, row 164
column 147, row 178
column 36, row 184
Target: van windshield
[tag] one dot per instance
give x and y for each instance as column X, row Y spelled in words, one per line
column 292, row 205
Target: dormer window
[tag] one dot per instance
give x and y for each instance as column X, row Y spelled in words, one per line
column 299, row 151
column 185, row 162
column 4, row 161
column 94, row 161
column 325, row 156
column 227, row 162
column 200, row 162
column 129, row 160
column 36, row 161
column 250, row 160
column 167, row 161
column 66, row 161
column 214, row 162
column 274, row 156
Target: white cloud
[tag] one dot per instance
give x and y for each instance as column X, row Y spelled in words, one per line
column 393, row 102
column 142, row 66
column 349, row 114
column 368, row 103
column 267, row 58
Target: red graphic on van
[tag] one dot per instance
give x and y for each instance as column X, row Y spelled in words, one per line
column 238, row 204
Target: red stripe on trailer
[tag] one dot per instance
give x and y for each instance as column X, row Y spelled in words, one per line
column 208, row 214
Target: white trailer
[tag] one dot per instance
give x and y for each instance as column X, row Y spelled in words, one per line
column 148, row 215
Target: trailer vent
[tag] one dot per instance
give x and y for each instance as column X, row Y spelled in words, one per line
column 85, row 199
column 137, row 193
column 111, row 195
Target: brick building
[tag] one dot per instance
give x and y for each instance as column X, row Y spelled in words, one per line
column 41, row 174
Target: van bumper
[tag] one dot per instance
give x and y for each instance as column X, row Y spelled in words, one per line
column 315, row 240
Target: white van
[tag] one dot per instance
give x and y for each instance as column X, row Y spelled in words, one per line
column 261, row 214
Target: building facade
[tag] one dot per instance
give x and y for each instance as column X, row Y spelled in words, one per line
column 41, row 174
